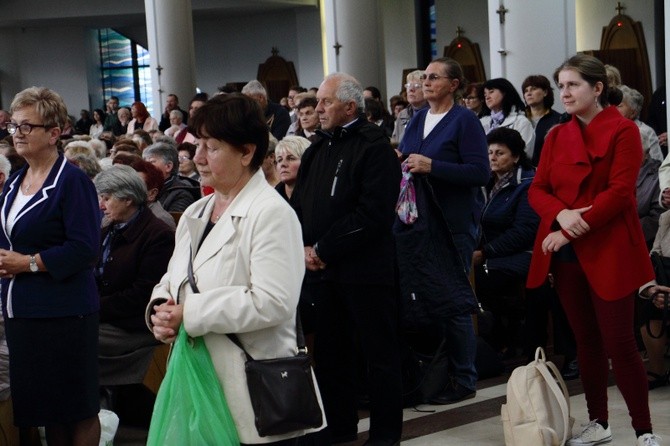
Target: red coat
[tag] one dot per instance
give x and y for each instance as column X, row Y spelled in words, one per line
column 595, row 166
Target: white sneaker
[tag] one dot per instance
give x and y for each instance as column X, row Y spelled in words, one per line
column 592, row 434
column 648, row 440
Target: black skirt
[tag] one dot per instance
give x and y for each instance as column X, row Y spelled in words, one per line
column 53, row 369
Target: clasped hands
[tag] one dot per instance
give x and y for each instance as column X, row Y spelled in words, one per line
column 312, row 261
column 571, row 221
column 166, row 320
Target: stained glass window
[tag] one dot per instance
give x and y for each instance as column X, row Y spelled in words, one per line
column 125, row 69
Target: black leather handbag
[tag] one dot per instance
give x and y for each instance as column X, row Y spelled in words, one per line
column 282, row 391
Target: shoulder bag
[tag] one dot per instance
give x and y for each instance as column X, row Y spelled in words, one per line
column 282, row 391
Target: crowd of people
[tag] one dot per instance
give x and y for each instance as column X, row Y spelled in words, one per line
column 293, row 209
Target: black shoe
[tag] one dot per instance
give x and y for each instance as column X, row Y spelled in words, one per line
column 343, row 438
column 453, row 394
column 570, row 370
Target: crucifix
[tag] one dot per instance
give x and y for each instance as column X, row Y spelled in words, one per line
column 459, row 31
column 619, row 7
column 337, row 47
column 501, row 12
column 159, row 69
column 275, row 51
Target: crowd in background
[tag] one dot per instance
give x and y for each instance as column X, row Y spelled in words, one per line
column 524, row 196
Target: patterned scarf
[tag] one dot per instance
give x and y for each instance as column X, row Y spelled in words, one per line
column 497, row 118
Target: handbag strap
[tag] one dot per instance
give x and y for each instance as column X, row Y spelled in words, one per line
column 300, row 337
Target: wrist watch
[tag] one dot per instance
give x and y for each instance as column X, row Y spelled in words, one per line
column 33, row 265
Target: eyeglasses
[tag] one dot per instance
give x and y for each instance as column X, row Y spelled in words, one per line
column 24, row 129
column 414, row 86
column 432, row 77
column 184, row 158
column 471, row 98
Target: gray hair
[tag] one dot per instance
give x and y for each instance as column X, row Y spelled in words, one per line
column 254, row 87
column 99, row 147
column 5, row 166
column 348, row 89
column 89, row 164
column 415, row 75
column 295, row 145
column 123, row 183
column 125, row 111
column 177, row 114
column 167, row 152
column 166, row 140
column 633, row 98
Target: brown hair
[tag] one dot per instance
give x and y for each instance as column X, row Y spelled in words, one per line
column 591, row 69
column 235, row 119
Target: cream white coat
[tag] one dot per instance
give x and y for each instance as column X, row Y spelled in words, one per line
column 519, row 122
column 249, row 270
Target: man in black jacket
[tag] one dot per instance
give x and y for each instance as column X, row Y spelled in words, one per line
column 348, row 185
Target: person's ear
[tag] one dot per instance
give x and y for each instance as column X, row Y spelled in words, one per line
column 248, row 154
column 54, row 135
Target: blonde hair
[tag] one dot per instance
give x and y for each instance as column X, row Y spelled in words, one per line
column 295, row 145
column 48, row 104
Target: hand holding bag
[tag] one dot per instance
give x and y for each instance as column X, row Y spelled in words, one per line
column 282, row 391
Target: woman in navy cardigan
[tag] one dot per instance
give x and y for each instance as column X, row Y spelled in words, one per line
column 508, row 226
column 48, row 247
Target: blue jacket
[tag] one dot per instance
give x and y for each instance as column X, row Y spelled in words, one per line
column 61, row 222
column 509, row 225
column 460, row 165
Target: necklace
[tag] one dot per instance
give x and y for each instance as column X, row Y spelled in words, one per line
column 26, row 188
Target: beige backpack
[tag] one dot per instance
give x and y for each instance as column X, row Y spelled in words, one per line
column 537, row 412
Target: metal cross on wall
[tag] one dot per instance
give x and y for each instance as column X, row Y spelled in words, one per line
column 337, row 47
column 501, row 13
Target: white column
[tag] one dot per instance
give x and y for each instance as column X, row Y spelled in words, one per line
column 170, row 37
column 536, row 36
column 353, row 26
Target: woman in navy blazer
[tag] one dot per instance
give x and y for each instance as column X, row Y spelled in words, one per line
column 49, row 243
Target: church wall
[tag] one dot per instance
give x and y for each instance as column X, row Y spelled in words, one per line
column 594, row 15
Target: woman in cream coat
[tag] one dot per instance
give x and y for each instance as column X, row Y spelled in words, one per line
column 247, row 251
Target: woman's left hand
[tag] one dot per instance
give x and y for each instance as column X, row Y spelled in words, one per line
column 166, row 320
column 553, row 242
column 419, row 163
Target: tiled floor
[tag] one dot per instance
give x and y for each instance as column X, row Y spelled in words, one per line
column 477, row 421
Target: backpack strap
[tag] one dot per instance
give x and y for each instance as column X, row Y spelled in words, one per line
column 554, row 379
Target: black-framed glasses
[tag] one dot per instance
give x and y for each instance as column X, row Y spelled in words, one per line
column 432, row 77
column 24, row 128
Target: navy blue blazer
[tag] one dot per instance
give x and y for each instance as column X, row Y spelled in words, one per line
column 61, row 222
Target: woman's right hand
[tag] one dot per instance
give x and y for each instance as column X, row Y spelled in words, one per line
column 166, row 320
column 572, row 222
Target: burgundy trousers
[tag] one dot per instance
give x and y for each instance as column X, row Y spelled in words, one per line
column 603, row 329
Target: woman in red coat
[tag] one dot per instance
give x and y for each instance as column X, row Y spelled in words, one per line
column 590, row 238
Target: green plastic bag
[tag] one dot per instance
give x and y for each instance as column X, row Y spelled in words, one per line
column 191, row 408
